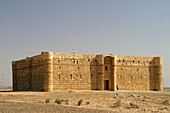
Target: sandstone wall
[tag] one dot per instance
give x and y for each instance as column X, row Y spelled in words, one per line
column 28, row 74
column 61, row 71
column 74, row 71
column 137, row 73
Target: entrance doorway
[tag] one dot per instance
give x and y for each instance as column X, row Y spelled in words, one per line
column 106, row 82
column 108, row 73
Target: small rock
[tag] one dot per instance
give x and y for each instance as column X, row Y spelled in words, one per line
column 132, row 96
column 113, row 106
column 117, row 94
column 70, row 91
column 145, row 109
column 161, row 108
column 139, row 96
column 114, row 97
column 165, row 107
column 128, row 107
column 101, row 106
column 146, row 97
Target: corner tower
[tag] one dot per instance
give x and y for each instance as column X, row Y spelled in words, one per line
column 48, row 68
column 158, row 73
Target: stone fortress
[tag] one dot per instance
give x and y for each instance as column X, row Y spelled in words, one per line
column 51, row 71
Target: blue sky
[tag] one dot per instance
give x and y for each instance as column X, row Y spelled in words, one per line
column 120, row 27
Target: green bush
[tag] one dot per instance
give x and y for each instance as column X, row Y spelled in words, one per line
column 48, row 100
column 132, row 105
column 67, row 102
column 87, row 103
column 117, row 103
column 80, row 102
column 58, row 101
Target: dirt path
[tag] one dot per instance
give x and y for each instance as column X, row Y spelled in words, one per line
column 99, row 102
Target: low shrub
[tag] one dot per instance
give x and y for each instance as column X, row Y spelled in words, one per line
column 166, row 102
column 87, row 103
column 67, row 102
column 48, row 100
column 58, row 101
column 117, row 103
column 132, row 105
column 80, row 102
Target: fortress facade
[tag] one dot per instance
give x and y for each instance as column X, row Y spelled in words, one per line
column 51, row 71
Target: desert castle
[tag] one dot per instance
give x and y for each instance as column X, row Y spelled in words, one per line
column 51, row 71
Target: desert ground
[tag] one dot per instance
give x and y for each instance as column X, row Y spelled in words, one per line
column 92, row 101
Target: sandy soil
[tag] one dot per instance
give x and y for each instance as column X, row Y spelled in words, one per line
column 99, row 101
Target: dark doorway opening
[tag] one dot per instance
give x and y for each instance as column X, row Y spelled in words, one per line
column 106, row 84
column 117, row 87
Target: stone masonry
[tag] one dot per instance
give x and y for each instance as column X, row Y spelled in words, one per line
column 51, row 71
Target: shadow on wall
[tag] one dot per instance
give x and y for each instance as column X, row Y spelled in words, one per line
column 94, row 73
column 155, row 70
column 151, row 76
